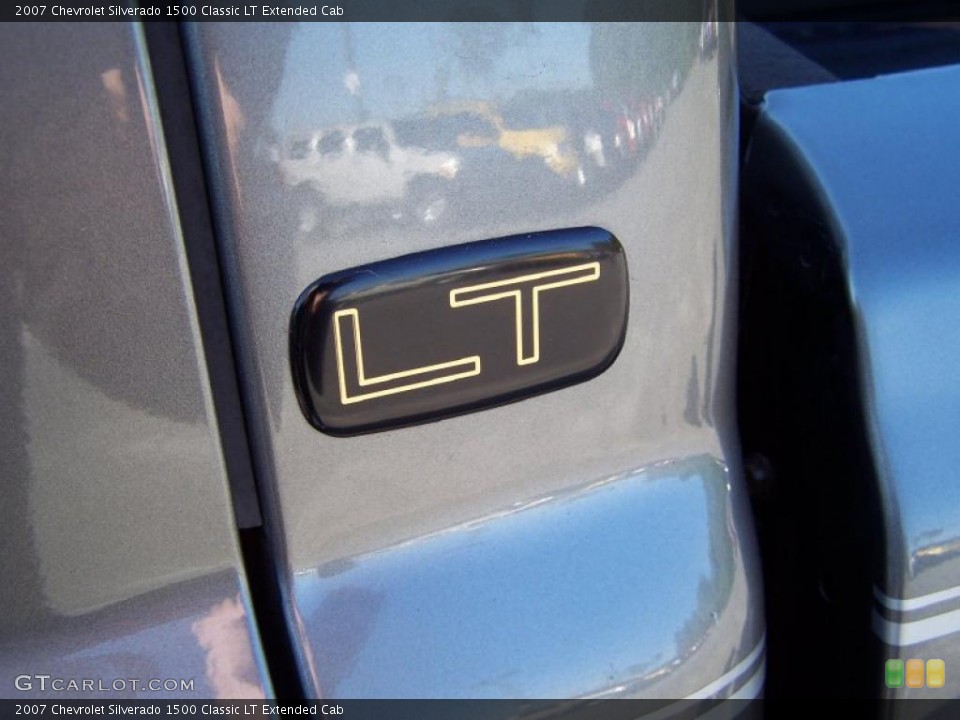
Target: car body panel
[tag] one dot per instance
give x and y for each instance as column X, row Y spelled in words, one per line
column 356, row 517
column 879, row 174
column 120, row 552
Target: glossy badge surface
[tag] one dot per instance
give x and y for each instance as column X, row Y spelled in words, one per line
column 447, row 331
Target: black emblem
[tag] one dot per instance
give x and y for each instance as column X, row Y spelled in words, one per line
column 447, row 331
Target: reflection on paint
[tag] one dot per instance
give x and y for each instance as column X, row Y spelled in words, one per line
column 113, row 83
column 230, row 666
column 614, row 585
column 584, row 124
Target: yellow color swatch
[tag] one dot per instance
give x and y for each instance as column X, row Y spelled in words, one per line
column 936, row 673
column 914, row 673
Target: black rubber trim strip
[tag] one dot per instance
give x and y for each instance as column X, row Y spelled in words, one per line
column 183, row 150
column 263, row 567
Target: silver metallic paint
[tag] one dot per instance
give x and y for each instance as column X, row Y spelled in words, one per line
column 382, row 565
column 119, row 554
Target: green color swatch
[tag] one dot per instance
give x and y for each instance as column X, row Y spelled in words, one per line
column 894, row 673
